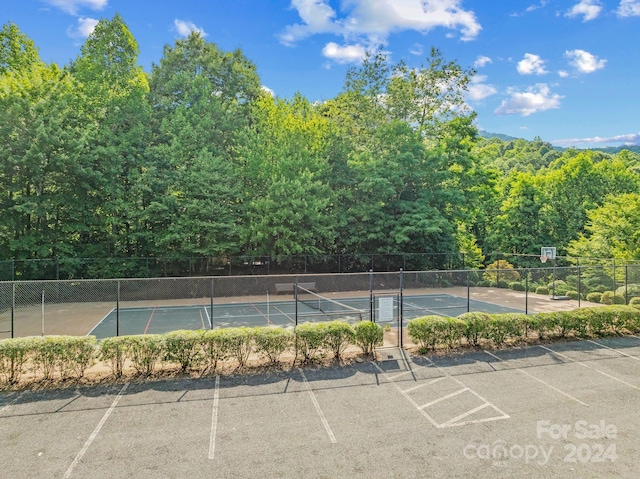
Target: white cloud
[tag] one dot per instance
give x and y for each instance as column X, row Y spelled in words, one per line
column 563, row 73
column 536, row 99
column 629, row 8
column 370, row 22
column 531, row 64
column 532, row 8
column 590, row 9
column 72, row 6
column 417, row 49
column 344, row 54
column 584, row 62
column 478, row 90
column 630, row 139
column 84, row 29
column 482, row 61
column 185, row 27
column 268, row 90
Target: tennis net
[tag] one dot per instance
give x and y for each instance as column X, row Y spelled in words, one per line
column 328, row 307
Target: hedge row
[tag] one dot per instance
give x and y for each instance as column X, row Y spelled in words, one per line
column 433, row 331
column 70, row 356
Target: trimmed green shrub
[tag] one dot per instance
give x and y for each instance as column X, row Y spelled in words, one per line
column 184, row 347
column 635, row 302
column 609, row 297
column 501, row 284
column 542, row 323
column 78, row 353
column 594, row 297
column 430, row 331
column 47, row 354
column 542, row 290
column 517, row 286
column 145, row 351
column 558, row 287
column 14, row 354
column 502, row 327
column 630, row 290
column 337, row 336
column 368, row 336
column 476, row 326
column 483, row 283
column 309, row 339
column 501, row 270
column 240, row 343
column 573, row 295
column 627, row 317
column 114, row 351
column 215, row 347
column 272, row 341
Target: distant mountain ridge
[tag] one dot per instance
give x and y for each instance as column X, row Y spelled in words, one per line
column 605, row 149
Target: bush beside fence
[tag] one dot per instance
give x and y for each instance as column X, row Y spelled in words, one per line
column 430, row 332
column 69, row 356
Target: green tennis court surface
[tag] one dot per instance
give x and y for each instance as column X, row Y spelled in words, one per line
column 162, row 319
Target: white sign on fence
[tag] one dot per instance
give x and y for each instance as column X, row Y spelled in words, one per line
column 385, row 309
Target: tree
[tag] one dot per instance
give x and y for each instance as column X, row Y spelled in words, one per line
column 115, row 90
column 612, row 230
column 289, row 204
column 201, row 98
column 17, row 51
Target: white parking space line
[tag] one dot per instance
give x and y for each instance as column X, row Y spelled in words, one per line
column 613, row 349
column 95, row 433
column 318, row 409
column 214, row 419
column 407, row 397
column 425, row 384
column 454, row 421
column 526, row 373
column 443, row 398
column 590, row 367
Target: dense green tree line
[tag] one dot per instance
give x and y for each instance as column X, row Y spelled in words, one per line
column 101, row 159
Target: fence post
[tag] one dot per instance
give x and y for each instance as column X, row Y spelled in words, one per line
column 468, row 292
column 118, row 308
column 626, row 284
column 211, row 318
column 13, row 308
column 295, row 298
column 526, row 293
column 371, row 300
column 400, row 308
column 579, row 285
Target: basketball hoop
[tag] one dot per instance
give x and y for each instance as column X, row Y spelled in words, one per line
column 543, row 259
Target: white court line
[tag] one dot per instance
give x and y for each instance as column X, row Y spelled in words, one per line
column 616, row 350
column 206, row 312
column 214, row 419
column 448, row 396
column 541, row 381
column 407, row 397
column 590, row 367
column 318, row 410
column 425, row 384
column 95, row 432
column 108, row 314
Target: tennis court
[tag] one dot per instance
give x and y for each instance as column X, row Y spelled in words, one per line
column 309, row 307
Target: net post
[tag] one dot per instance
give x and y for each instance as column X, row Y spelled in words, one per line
column 295, row 298
column 118, row 308
column 211, row 306
column 371, row 300
column 579, row 285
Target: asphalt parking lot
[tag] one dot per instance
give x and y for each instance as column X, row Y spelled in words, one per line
column 556, row 410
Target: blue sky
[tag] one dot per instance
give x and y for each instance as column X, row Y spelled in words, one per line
column 567, row 71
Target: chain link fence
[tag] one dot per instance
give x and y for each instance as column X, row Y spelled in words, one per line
column 109, row 307
column 94, row 268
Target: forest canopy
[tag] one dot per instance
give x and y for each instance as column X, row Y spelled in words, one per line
column 100, row 159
